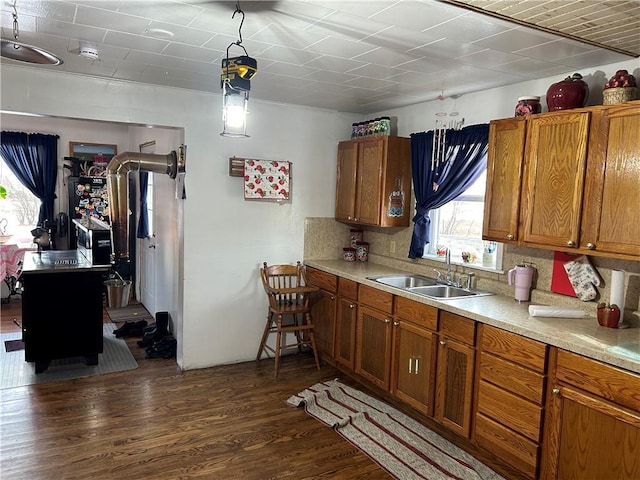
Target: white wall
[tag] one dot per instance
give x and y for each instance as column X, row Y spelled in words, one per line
column 221, row 306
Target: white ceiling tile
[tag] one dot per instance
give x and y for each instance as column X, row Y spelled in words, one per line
column 335, row 64
column 290, row 38
column 556, row 50
column 97, row 17
column 340, row 47
column 377, row 71
column 514, row 40
column 137, row 42
column 387, row 57
column 418, row 16
column 190, row 52
column 488, row 58
column 69, row 30
column 290, row 69
column 289, row 55
column 169, row 12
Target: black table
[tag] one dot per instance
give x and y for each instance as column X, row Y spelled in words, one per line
column 61, row 307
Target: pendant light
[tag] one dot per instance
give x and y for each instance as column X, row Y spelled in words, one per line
column 235, row 81
column 26, row 53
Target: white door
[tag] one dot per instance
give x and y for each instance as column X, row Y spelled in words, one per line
column 158, row 252
column 148, row 280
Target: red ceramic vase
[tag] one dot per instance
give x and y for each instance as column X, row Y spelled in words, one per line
column 572, row 92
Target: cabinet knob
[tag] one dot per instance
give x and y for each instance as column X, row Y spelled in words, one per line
column 442, row 342
column 571, row 243
column 332, row 297
column 351, row 305
column 556, row 392
column 591, row 246
column 395, row 324
column 510, row 237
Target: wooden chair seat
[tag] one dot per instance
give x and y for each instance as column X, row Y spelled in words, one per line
column 288, row 312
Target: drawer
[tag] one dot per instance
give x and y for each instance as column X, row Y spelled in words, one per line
column 509, row 410
column 348, row 288
column 375, row 298
column 324, row 280
column 515, row 348
column 513, row 378
column 514, row 449
column 416, row 312
column 606, row 381
column 456, row 327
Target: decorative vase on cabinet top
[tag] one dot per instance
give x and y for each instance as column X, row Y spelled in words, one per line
column 572, row 92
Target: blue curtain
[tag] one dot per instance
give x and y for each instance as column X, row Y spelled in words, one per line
column 465, row 155
column 143, row 221
column 33, row 159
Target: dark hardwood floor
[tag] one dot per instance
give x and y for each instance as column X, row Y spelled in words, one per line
column 157, row 422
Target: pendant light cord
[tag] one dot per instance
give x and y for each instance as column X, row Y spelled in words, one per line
column 15, row 22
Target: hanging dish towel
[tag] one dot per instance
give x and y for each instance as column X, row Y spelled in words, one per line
column 583, row 277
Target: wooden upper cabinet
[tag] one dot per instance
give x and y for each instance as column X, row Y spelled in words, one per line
column 611, row 219
column 554, row 172
column 504, row 179
column 346, row 183
column 579, row 190
column 374, row 181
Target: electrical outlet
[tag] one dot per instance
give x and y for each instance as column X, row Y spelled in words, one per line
column 392, row 247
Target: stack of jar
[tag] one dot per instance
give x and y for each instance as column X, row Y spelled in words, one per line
column 371, row 128
column 358, row 249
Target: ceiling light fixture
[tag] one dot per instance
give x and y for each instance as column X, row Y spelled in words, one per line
column 235, row 81
column 26, row 53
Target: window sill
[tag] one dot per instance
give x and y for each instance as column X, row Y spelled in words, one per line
column 473, row 266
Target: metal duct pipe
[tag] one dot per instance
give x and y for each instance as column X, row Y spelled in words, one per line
column 118, row 170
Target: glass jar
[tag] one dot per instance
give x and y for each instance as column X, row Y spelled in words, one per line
column 362, row 251
column 349, row 254
column 528, row 106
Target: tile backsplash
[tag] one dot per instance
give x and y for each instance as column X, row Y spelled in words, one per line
column 325, row 238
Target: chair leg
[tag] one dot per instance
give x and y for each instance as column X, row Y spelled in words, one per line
column 265, row 334
column 278, row 340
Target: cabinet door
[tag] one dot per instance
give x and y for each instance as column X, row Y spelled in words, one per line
column 373, row 346
column 454, row 383
column 414, row 366
column 346, row 332
column 346, row 181
column 323, row 314
column 555, row 160
column 369, row 181
column 591, row 438
column 611, row 221
column 504, row 179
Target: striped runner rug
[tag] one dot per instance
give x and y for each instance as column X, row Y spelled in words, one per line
column 405, row 448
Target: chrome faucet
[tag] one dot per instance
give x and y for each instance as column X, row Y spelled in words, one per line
column 447, row 261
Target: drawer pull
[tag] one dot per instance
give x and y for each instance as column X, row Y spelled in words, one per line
column 410, row 365
column 571, row 243
column 591, row 246
column 417, row 365
column 510, row 237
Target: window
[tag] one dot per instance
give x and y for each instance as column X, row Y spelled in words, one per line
column 20, row 208
column 458, row 226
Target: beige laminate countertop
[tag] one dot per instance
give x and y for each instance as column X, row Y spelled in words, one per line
column 582, row 336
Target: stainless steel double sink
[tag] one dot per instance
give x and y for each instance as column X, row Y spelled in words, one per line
column 428, row 287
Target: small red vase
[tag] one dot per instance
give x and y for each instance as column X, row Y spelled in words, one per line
column 572, row 92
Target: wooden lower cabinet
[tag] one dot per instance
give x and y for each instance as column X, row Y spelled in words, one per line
column 414, row 354
column 593, row 421
column 346, row 318
column 373, row 336
column 509, row 402
column 455, row 370
column 323, row 310
column 373, row 346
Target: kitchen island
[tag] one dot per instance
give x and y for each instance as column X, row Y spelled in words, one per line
column 61, row 307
